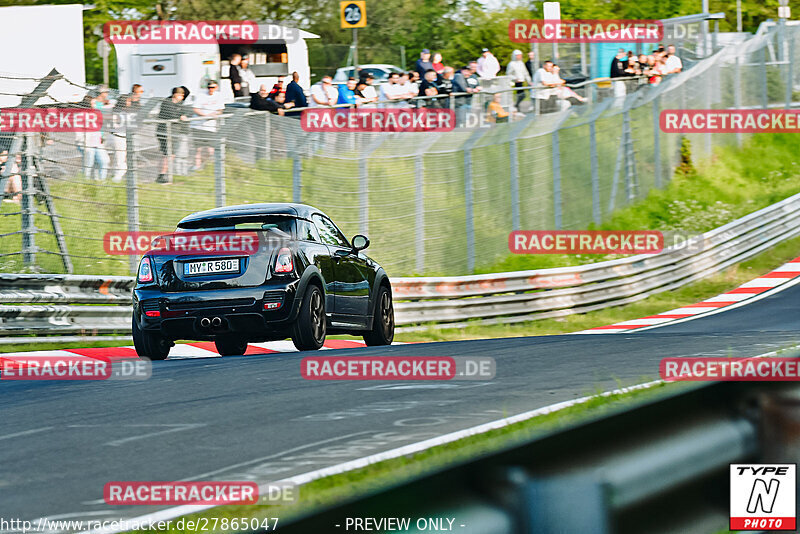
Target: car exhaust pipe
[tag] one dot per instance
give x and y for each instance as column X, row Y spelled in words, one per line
column 216, row 322
column 205, row 322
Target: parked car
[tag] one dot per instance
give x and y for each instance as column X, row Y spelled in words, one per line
column 380, row 71
column 304, row 280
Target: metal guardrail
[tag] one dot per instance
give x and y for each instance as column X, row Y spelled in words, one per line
column 661, row 466
column 87, row 305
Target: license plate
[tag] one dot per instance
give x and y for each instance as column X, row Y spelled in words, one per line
column 197, row 268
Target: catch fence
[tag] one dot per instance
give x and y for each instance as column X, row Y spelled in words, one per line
column 431, row 203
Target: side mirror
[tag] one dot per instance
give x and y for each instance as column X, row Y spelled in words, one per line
column 360, row 242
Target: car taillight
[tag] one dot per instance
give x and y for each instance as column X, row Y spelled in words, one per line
column 145, row 270
column 284, row 262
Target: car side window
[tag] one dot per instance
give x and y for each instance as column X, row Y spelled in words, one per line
column 306, row 231
column 328, row 232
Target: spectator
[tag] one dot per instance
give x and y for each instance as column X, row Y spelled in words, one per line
column 619, row 69
column 531, row 63
column 496, row 112
column 123, row 117
column 519, row 75
column 248, row 78
column 260, row 101
column 438, row 66
column 235, row 76
column 424, row 63
column 13, row 189
column 295, row 94
column 429, row 87
column 279, row 104
column 95, row 156
column 407, row 89
column 673, row 63
column 324, row 93
column 463, row 102
column 347, row 93
column 641, row 64
column 473, row 80
column 619, row 64
column 488, row 66
column 562, row 91
column 391, row 92
column 208, row 104
column 446, row 85
column 277, row 88
column 548, row 97
column 367, row 91
column 168, row 139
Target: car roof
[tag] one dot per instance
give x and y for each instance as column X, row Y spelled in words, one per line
column 385, row 66
column 248, row 210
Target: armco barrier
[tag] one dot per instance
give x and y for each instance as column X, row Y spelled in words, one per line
column 656, row 466
column 85, row 305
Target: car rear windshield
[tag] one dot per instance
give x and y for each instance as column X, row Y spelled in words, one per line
column 269, row 223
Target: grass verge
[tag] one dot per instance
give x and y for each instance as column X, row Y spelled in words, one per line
column 337, row 488
column 696, row 292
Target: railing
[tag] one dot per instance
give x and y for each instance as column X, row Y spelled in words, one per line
column 86, row 305
column 658, row 467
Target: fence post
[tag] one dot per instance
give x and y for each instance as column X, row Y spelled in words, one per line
column 297, row 179
column 170, row 154
column 468, row 199
column 789, row 73
column 363, row 195
column 596, row 215
column 709, row 87
column 468, row 210
column 28, row 223
column 419, row 203
column 131, row 188
column 267, row 136
column 657, row 141
column 737, row 94
column 763, row 63
column 556, row 181
column 513, row 167
column 219, row 172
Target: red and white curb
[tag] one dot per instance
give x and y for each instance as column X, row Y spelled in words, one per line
column 184, row 351
column 732, row 299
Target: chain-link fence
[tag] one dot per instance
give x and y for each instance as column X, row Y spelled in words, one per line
column 432, row 203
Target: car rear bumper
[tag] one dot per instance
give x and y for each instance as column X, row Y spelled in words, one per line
column 253, row 312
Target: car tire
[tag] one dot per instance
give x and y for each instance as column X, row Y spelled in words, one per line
column 230, row 346
column 382, row 332
column 150, row 345
column 309, row 330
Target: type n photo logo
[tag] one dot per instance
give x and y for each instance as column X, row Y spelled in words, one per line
column 763, row 496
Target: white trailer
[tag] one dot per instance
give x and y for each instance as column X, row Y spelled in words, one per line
column 36, row 39
column 160, row 67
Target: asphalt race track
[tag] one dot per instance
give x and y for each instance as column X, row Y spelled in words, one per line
column 255, row 418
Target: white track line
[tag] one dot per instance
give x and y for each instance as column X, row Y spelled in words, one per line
column 304, row 478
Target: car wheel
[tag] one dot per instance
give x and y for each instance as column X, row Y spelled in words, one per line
column 308, row 331
column 382, row 332
column 150, row 345
column 230, row 346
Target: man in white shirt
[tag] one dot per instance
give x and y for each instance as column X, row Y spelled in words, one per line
column 392, row 93
column 488, row 66
column 208, row 104
column 674, row 63
column 324, row 93
column 249, row 82
column 546, row 77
